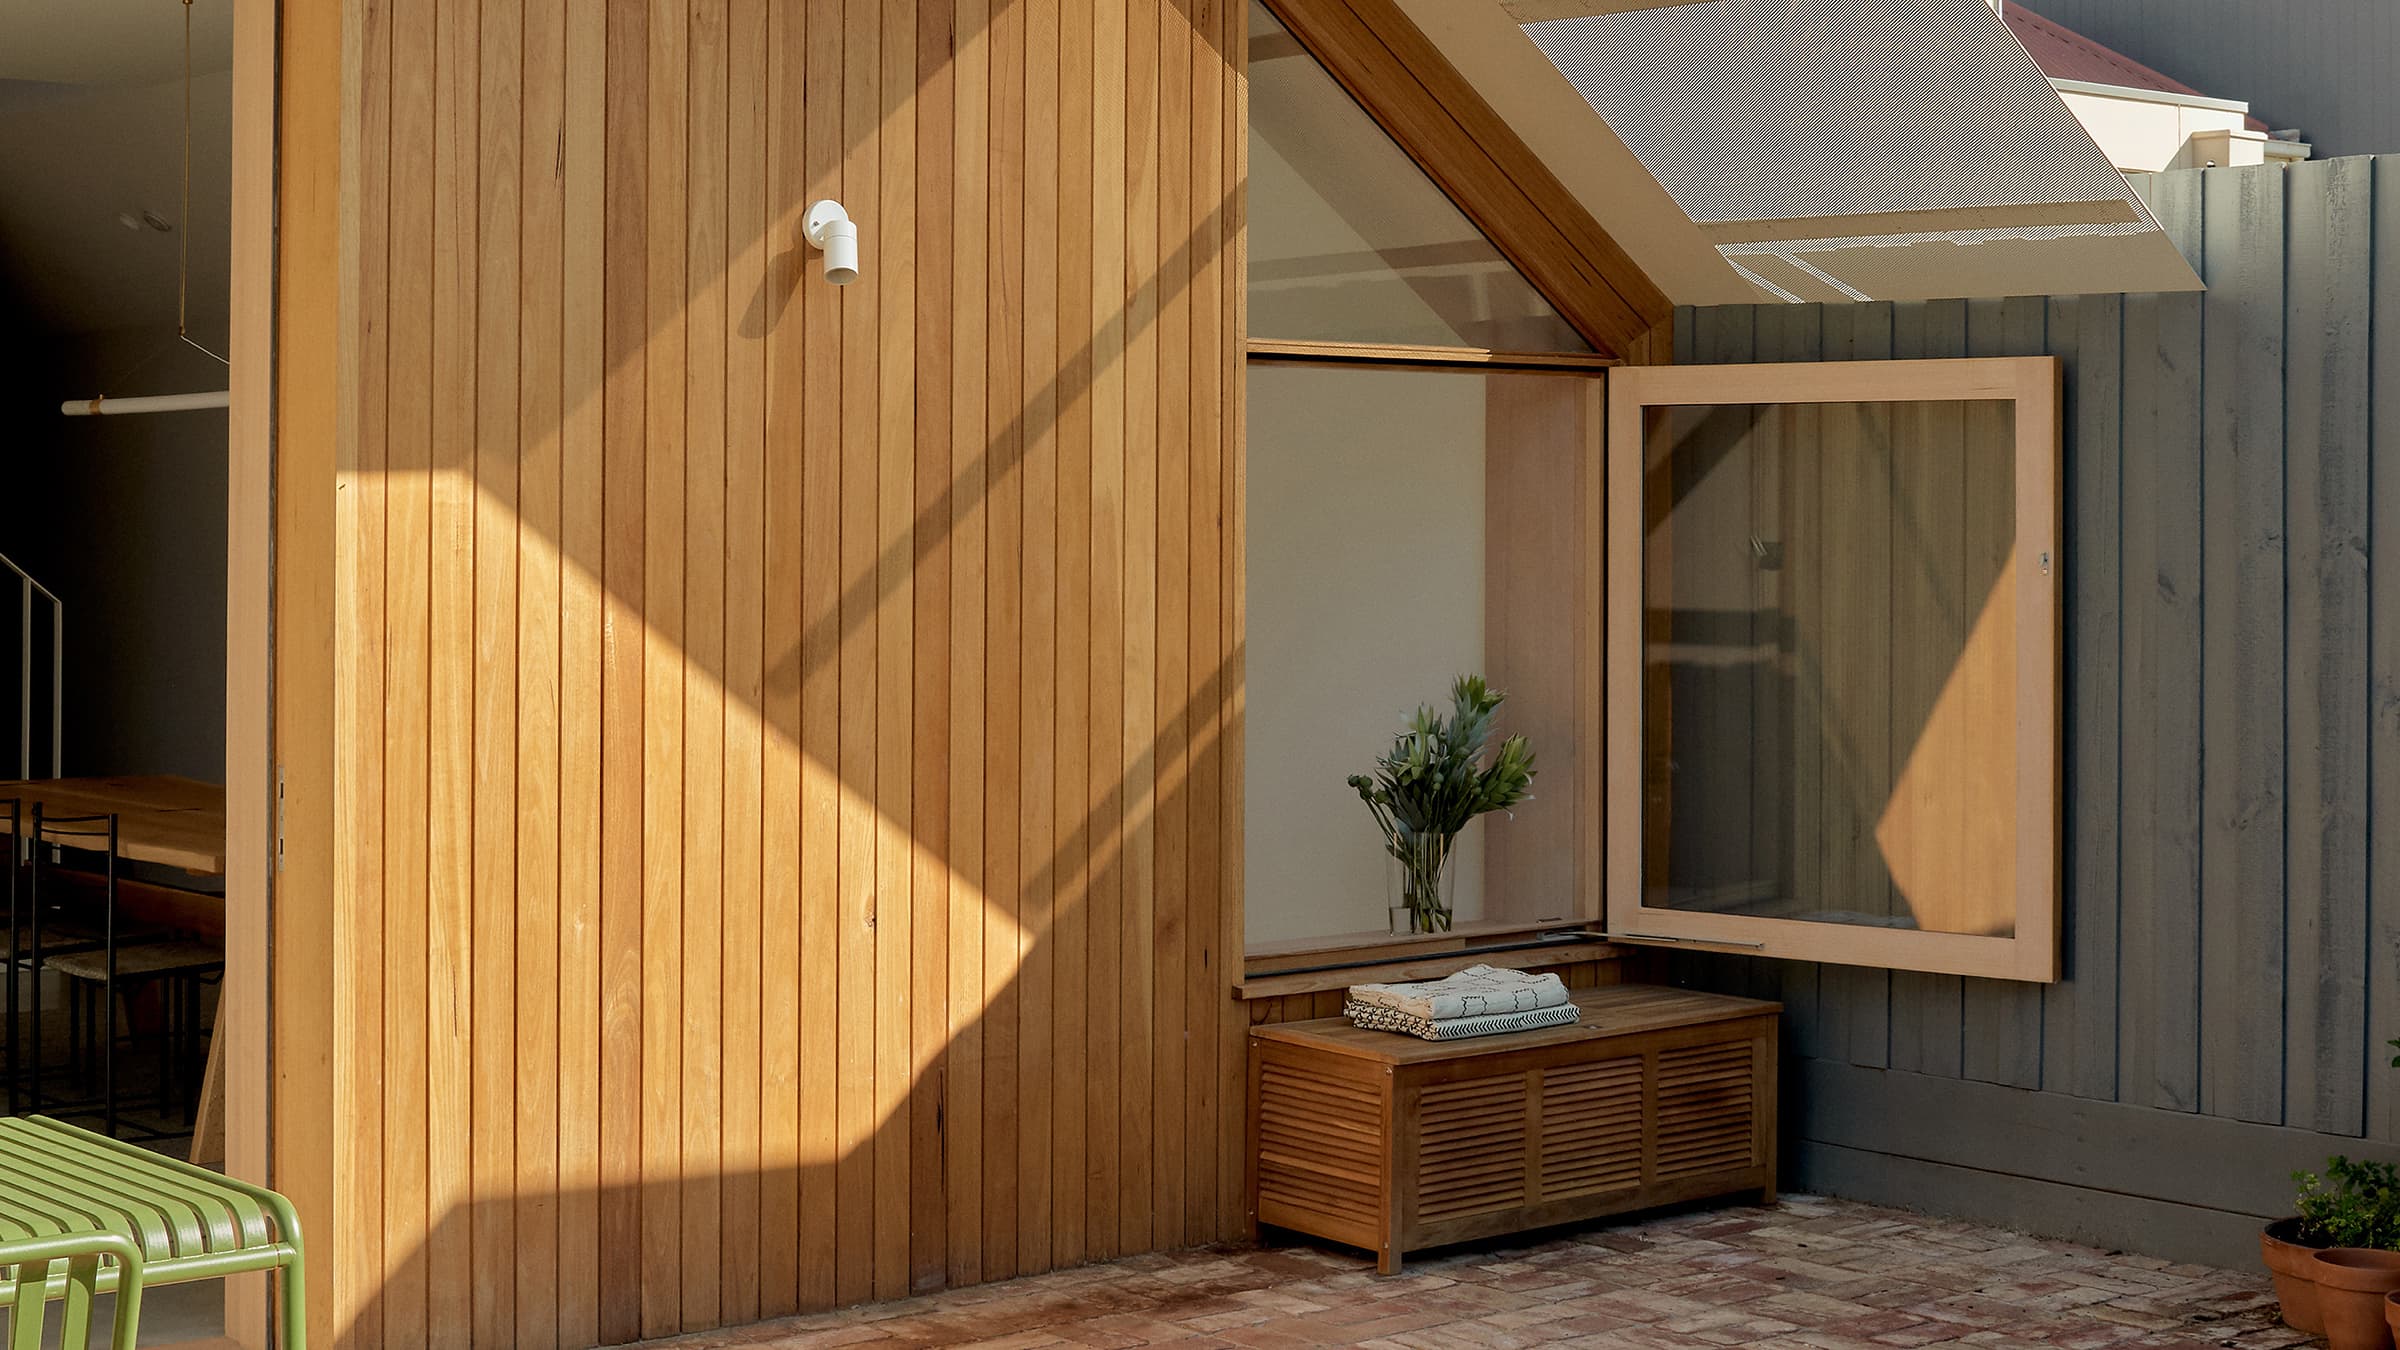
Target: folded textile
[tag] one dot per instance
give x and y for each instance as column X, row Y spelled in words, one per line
column 1375, row 1017
column 1477, row 991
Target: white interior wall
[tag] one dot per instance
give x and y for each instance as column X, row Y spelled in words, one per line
column 124, row 517
column 1366, row 585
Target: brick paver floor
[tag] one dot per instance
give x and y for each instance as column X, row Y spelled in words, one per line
column 1829, row 1274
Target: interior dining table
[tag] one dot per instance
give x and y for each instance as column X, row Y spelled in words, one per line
column 161, row 819
column 170, row 822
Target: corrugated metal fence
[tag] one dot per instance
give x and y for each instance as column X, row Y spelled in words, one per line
column 2232, row 803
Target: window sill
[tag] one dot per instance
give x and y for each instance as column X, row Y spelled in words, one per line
column 1278, row 970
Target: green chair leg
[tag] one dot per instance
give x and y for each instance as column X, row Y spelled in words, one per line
column 129, row 1313
column 75, row 1324
column 27, row 1310
column 75, row 1316
column 294, row 1279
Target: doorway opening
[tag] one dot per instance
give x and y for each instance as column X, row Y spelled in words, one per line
column 117, row 280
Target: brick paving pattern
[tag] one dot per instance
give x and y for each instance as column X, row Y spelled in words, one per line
column 1827, row 1274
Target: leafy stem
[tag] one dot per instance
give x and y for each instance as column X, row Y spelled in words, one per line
column 1434, row 780
column 2355, row 1203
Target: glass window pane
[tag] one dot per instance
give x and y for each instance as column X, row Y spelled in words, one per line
column 1830, row 663
column 1351, row 242
column 1408, row 525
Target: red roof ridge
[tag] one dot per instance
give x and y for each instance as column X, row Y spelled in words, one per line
column 2064, row 54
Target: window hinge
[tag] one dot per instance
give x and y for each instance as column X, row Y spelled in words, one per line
column 278, row 818
column 1685, row 941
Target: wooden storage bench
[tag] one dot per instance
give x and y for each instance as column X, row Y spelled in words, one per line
column 1394, row 1144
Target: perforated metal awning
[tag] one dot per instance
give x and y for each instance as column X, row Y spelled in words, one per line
column 1862, row 149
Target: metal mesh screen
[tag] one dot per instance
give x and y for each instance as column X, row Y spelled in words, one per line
column 1775, row 109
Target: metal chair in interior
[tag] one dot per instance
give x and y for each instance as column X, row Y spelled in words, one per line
column 64, row 934
column 123, row 963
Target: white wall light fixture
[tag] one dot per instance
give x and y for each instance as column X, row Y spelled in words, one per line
column 830, row 228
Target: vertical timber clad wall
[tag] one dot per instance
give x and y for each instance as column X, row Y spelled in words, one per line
column 2232, row 749
column 787, row 735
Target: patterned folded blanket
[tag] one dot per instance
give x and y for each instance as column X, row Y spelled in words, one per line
column 1375, row 1017
column 1477, row 991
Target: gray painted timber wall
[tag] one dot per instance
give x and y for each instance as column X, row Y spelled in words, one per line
column 2323, row 66
column 2232, row 728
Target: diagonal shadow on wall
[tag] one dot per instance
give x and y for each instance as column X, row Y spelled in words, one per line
column 469, row 1230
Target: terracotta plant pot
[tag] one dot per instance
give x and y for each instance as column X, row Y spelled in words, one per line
column 2351, row 1285
column 2294, row 1268
column 2391, row 1311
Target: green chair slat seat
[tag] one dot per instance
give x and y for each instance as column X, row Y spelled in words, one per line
column 158, row 1220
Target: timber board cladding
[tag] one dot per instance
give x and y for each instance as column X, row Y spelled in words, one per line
column 2232, row 617
column 788, row 750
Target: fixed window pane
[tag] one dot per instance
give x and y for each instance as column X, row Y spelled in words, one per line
column 1351, row 242
column 1406, row 526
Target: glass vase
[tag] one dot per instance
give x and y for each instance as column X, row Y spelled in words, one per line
column 1422, row 883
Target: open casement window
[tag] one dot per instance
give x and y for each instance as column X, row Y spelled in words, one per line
column 1833, row 662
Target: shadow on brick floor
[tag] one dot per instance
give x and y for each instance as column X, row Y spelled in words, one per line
column 1810, row 1272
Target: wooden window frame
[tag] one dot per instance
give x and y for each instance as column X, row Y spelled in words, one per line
column 246, row 1019
column 2033, row 385
column 1402, row 355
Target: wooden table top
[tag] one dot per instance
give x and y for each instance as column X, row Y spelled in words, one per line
column 1610, row 1010
column 174, row 822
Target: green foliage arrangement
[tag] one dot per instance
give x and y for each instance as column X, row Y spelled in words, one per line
column 1437, row 778
column 2355, row 1204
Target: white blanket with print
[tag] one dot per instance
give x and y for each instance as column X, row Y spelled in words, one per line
column 1477, row 991
column 1373, row 1017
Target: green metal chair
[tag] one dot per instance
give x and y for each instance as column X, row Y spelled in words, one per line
column 71, row 1197
column 32, row 1254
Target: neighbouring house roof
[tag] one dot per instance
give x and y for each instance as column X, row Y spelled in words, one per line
column 2064, row 54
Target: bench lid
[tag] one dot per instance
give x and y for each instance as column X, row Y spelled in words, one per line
column 1610, row 1010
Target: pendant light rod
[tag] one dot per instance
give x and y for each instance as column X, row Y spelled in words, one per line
column 163, row 403
column 153, row 403
column 183, row 224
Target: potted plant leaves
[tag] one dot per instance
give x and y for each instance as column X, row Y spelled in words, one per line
column 2353, row 1207
column 2337, row 1259
column 1436, row 778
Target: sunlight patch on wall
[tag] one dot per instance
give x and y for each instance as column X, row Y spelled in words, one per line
column 1951, row 853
